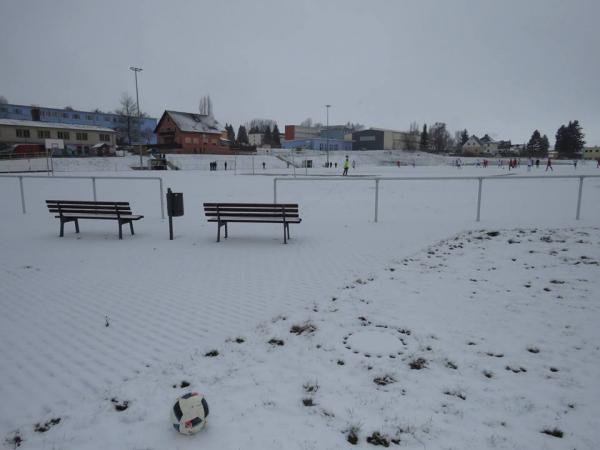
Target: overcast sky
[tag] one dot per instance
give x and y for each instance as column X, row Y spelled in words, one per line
column 498, row 67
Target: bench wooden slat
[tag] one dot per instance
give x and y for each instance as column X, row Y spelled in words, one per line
column 257, row 220
column 101, row 216
column 90, row 209
column 267, row 210
column 235, row 214
column 85, row 202
column 251, row 205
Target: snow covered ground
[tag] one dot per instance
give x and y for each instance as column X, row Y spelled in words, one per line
column 428, row 328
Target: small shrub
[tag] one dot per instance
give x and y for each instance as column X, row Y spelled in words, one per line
column 212, row 353
column 311, row 388
column 533, row 350
column 384, row 380
column 43, row 427
column 276, row 342
column 488, row 374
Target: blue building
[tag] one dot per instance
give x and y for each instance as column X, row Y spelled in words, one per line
column 319, row 143
column 116, row 122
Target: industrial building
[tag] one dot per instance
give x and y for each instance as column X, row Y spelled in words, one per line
column 380, row 139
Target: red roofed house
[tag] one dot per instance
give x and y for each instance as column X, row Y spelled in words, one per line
column 183, row 132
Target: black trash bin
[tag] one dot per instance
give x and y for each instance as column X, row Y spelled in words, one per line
column 174, row 208
column 174, row 203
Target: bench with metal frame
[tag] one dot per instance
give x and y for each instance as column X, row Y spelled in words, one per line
column 223, row 213
column 73, row 210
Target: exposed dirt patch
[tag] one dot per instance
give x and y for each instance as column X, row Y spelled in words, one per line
column 43, row 427
column 554, row 432
column 276, row 342
column 418, row 364
column 120, row 405
column 306, row 327
column 212, row 354
column 377, row 439
column 384, row 380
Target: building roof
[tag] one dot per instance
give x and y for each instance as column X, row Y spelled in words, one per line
column 70, row 110
column 381, row 129
column 62, row 126
column 194, row 123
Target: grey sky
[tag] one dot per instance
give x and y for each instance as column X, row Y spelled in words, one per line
column 501, row 67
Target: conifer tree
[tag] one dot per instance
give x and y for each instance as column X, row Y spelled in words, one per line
column 276, row 140
column 268, row 138
column 242, row 136
column 464, row 137
column 424, row 143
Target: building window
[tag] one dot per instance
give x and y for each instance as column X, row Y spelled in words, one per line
column 105, row 137
column 75, row 116
column 22, row 133
column 81, row 136
column 64, row 135
column 43, row 134
column 3, row 109
column 88, row 117
column 107, row 119
column 188, row 140
column 65, row 115
column 17, row 111
column 196, row 140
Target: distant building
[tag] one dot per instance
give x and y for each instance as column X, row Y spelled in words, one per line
column 318, row 143
column 77, row 139
column 296, row 132
column 473, row 146
column 183, row 132
column 256, row 139
column 335, row 132
column 380, row 139
column 113, row 121
column 591, row 153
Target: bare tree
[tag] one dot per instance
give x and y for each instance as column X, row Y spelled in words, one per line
column 128, row 122
column 3, row 100
column 440, row 138
column 411, row 138
column 260, row 125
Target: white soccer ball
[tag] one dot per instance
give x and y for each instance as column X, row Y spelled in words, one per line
column 189, row 413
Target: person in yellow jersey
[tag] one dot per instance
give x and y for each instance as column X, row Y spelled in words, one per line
column 346, row 166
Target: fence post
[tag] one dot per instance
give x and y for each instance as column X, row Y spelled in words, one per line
column 479, row 199
column 376, row 198
column 94, row 187
column 162, row 199
column 579, row 198
column 22, row 195
column 274, row 190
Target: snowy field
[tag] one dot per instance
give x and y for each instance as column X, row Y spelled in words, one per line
column 425, row 330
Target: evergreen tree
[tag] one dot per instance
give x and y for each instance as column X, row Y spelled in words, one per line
column 544, row 146
column 230, row 133
column 569, row 140
column 424, row 143
column 242, row 136
column 268, row 138
column 276, row 139
column 464, row 137
column 533, row 146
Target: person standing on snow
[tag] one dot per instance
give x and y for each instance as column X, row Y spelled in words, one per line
column 346, row 166
column 549, row 165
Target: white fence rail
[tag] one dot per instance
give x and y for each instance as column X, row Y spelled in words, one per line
column 377, row 180
column 92, row 178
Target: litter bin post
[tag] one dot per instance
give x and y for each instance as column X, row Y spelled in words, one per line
column 174, row 208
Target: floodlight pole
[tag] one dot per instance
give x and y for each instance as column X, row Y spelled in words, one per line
column 137, row 100
column 327, row 133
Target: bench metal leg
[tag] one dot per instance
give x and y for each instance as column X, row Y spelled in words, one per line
column 62, row 228
column 284, row 234
column 120, row 230
column 225, row 230
column 218, row 231
column 131, row 227
column 76, row 226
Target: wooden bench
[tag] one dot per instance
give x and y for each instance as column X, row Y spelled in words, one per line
column 222, row 213
column 72, row 211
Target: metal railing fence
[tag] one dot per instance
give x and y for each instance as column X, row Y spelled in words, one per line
column 92, row 178
column 377, row 180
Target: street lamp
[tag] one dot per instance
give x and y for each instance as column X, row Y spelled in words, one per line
column 327, row 133
column 137, row 100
